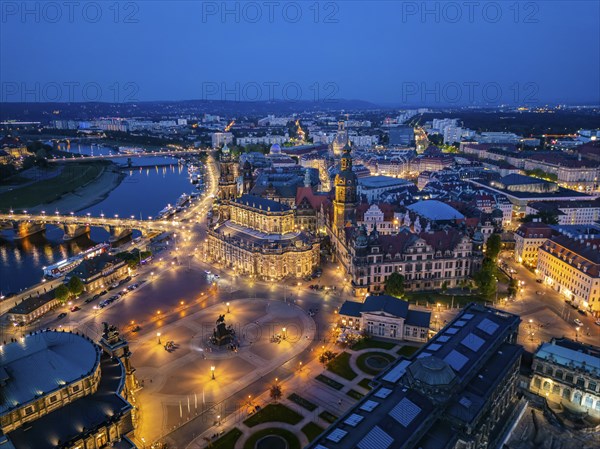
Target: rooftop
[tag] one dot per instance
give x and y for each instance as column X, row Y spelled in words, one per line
column 43, row 362
column 436, row 210
column 258, row 202
column 569, row 357
column 375, row 182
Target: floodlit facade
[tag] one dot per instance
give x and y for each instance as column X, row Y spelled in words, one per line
column 572, row 267
column 568, row 373
column 528, row 239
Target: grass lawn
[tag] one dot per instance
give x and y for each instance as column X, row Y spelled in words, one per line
column 326, row 416
column 407, row 351
column 73, row 176
column 362, row 362
column 312, row 431
column 292, row 441
column 341, row 366
column 228, row 440
column 365, row 383
column 433, row 298
column 355, row 394
column 329, row 381
column 304, row 403
column 369, row 343
column 274, row 412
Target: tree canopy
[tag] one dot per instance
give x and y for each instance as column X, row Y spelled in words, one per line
column 75, row 286
column 394, row 285
column 493, row 246
column 61, row 293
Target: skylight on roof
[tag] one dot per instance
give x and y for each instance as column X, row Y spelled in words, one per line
column 396, row 372
column 382, row 393
column 375, row 439
column 337, row 435
column 460, row 323
column 452, row 330
column 354, row 419
column 473, row 342
column 369, row 406
column 487, row 326
column 467, row 316
column 434, row 347
column 405, row 412
column 465, row 402
column 456, row 360
column 443, row 338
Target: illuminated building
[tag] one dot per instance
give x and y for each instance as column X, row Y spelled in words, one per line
column 568, row 373
column 341, row 140
column 528, row 239
column 60, row 389
column 259, row 237
column 571, row 266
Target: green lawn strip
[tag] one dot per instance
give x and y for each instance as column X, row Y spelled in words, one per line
column 361, row 362
column 369, row 343
column 341, row 366
column 433, row 298
column 328, row 417
column 72, row 177
column 355, row 394
column 365, row 383
column 312, row 431
column 276, row 413
column 292, row 440
column 304, row 403
column 228, row 440
column 407, row 351
column 329, row 381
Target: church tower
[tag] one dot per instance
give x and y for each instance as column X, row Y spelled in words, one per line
column 340, row 140
column 228, row 173
column 346, row 201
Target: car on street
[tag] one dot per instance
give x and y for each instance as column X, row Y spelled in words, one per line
column 597, row 322
column 578, row 322
column 75, row 309
column 62, row 315
column 582, row 312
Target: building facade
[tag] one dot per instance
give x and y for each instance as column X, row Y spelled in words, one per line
column 571, row 266
column 568, row 373
column 259, row 237
column 386, row 317
column 528, row 239
column 99, row 272
column 427, row 260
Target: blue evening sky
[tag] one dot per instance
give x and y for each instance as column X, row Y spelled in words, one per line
column 394, row 52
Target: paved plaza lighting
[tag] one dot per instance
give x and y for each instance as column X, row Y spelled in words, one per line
column 227, row 307
column 158, row 337
column 283, row 329
column 212, row 372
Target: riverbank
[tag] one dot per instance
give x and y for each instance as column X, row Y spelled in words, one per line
column 93, row 192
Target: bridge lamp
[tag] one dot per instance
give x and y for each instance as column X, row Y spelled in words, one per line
column 116, row 215
column 72, row 213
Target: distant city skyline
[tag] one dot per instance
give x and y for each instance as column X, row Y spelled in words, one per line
column 390, row 54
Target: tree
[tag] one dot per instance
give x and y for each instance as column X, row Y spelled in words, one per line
column 275, row 392
column 493, row 246
column 75, row 286
column 326, row 357
column 61, row 293
column 444, row 286
column 485, row 279
column 394, row 285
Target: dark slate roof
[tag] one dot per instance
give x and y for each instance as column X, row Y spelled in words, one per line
column 387, row 304
column 90, row 267
column 351, row 308
column 30, row 304
column 418, row 318
column 258, row 202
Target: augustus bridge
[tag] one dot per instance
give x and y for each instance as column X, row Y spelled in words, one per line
column 74, row 225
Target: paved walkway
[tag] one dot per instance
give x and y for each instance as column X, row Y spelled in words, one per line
column 303, row 383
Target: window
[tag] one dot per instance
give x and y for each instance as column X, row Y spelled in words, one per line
column 423, row 333
column 558, row 374
column 592, row 386
column 393, row 330
column 53, row 399
column 555, row 389
column 414, row 332
column 581, row 382
column 381, row 329
column 29, row 410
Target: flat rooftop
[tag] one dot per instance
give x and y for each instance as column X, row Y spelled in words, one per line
column 43, row 362
column 375, row 182
column 436, row 210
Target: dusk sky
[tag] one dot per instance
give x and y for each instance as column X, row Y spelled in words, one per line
column 391, row 53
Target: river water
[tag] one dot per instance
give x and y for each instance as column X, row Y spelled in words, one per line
column 143, row 192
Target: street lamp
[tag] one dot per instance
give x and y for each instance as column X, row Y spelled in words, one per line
column 283, row 329
column 212, row 372
column 228, row 307
column 158, row 337
column 577, row 333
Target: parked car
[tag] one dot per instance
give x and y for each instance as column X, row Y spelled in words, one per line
column 539, row 281
column 75, row 309
column 62, row 315
column 582, row 312
column 578, row 322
